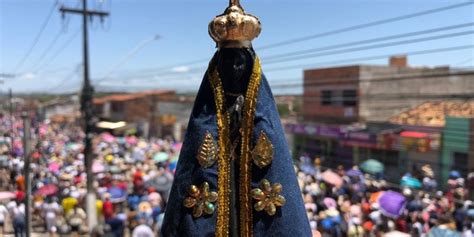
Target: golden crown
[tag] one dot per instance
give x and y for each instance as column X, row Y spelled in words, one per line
column 234, row 28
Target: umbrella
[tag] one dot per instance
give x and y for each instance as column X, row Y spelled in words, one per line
column 107, row 137
column 98, row 167
column 7, row 196
column 160, row 157
column 454, row 174
column 411, row 182
column 443, row 232
column 332, row 178
column 54, row 167
column 116, row 194
column 47, row 190
column 115, row 169
column 330, row 202
column 372, row 166
column 396, row 234
column 132, row 140
column 392, row 203
column 354, row 173
column 470, row 213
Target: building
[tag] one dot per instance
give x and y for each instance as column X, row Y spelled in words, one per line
column 369, row 93
column 141, row 109
column 346, row 112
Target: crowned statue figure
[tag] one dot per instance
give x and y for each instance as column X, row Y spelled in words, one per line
column 235, row 176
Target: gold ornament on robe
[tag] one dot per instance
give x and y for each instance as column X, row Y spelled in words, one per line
column 268, row 197
column 262, row 153
column 207, row 153
column 201, row 200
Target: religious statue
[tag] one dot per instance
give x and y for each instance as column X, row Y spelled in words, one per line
column 235, row 175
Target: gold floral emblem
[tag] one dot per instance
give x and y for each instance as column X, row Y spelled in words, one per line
column 268, row 197
column 207, row 153
column 262, row 153
column 201, row 200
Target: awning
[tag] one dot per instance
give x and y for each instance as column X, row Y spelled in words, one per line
column 111, row 125
column 413, row 134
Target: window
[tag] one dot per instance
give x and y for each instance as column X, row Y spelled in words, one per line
column 349, row 97
column 460, row 162
column 117, row 107
column 326, row 98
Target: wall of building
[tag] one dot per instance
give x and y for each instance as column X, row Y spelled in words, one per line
column 387, row 91
column 329, row 79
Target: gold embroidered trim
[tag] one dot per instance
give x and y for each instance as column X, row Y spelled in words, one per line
column 246, row 224
column 207, row 153
column 223, row 178
column 262, row 153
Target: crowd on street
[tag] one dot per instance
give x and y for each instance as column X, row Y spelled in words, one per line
column 358, row 202
column 133, row 177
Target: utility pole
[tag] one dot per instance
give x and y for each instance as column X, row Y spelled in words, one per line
column 26, row 159
column 10, row 108
column 86, row 109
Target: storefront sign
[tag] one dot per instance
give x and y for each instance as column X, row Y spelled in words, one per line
column 337, row 132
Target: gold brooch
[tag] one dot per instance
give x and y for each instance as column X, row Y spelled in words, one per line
column 201, row 200
column 262, row 153
column 207, row 153
column 268, row 197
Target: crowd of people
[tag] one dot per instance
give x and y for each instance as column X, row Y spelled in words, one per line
column 355, row 203
column 134, row 176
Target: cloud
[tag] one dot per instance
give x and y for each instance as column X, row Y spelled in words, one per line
column 28, row 76
column 181, row 69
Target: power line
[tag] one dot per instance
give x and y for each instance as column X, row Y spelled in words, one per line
column 370, row 47
column 336, row 62
column 411, row 53
column 65, row 80
column 365, row 25
column 342, row 30
column 128, row 56
column 372, row 40
column 35, row 41
column 48, row 49
column 342, row 51
column 59, row 51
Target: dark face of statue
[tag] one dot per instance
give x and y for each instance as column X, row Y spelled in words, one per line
column 235, row 67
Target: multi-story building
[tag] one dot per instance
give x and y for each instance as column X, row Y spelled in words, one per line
column 346, row 112
column 142, row 109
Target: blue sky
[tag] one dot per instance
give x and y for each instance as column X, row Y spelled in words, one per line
column 182, row 25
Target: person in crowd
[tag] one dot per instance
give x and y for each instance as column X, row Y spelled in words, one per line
column 143, row 230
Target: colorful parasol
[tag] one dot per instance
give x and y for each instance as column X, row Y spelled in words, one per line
column 392, row 204
column 47, row 190
column 411, row 182
column 372, row 166
column 332, row 178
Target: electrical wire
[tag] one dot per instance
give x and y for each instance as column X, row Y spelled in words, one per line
column 338, row 31
column 330, row 63
column 47, row 50
column 59, row 51
column 365, row 25
column 366, row 41
column 38, row 36
column 370, row 47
